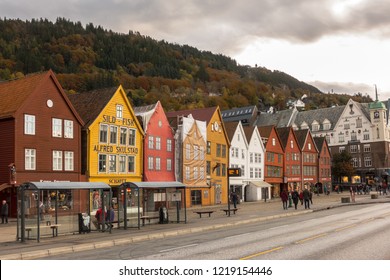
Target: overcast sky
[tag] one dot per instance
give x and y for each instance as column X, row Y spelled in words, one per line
column 339, row 45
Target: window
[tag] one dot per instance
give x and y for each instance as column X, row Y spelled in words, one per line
column 169, row 164
column 292, row 144
column 208, row 147
column 353, row 149
column 158, row 163
column 367, row 148
column 122, row 163
column 131, row 164
column 119, row 111
column 242, row 154
column 29, row 124
column 56, row 127
column 196, row 152
column 354, row 162
column 341, row 149
column 366, row 135
column 223, row 169
column 315, row 127
column 169, row 145
column 341, row 138
column 30, row 159
column 273, row 141
column 103, row 133
column 326, row 126
column 158, row 143
column 359, row 123
column 188, row 173
column 250, row 157
column 150, row 142
column 208, row 167
column 113, row 134
column 224, row 151
column 353, row 136
column 112, row 163
column 367, row 161
column 57, row 160
column 242, row 170
column 69, row 161
column 188, row 151
column 150, row 163
column 102, row 163
column 131, row 137
column 196, row 173
column 123, row 136
column 201, row 173
column 309, row 146
column 201, row 152
column 219, row 150
column 68, row 129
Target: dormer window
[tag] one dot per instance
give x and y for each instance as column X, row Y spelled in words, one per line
column 315, row 126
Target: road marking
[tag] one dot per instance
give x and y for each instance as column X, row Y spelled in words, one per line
column 238, row 235
column 344, row 228
column 177, row 248
column 278, row 227
column 261, row 253
column 310, row 238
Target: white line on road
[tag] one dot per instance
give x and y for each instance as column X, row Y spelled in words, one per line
column 177, row 248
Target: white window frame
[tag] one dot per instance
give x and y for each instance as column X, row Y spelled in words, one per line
column 122, row 163
column 169, row 164
column 68, row 129
column 158, row 163
column 132, row 137
column 169, row 145
column 103, row 133
column 57, row 160
column 102, row 158
column 69, row 161
column 151, row 142
column 123, row 136
column 56, row 127
column 119, row 111
column 30, row 158
column 158, row 143
column 113, row 134
column 131, row 163
column 112, row 164
column 150, row 163
column 29, row 124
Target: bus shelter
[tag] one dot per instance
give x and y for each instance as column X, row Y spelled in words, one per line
column 144, row 203
column 50, row 208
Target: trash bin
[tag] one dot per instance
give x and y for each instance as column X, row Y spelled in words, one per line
column 84, row 223
column 163, row 215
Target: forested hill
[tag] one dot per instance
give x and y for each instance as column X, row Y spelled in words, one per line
column 181, row 76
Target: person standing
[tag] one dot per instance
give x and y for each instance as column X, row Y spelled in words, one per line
column 4, row 212
column 284, row 197
column 295, row 198
column 234, row 198
column 306, row 198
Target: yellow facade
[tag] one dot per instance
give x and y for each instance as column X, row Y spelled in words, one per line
column 115, row 143
column 217, row 157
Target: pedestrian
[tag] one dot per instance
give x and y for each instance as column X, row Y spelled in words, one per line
column 99, row 218
column 234, row 198
column 4, row 212
column 301, row 197
column 352, row 191
column 284, row 197
column 110, row 217
column 306, row 197
column 41, row 211
column 295, row 197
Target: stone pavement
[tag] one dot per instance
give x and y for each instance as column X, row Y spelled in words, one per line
column 248, row 212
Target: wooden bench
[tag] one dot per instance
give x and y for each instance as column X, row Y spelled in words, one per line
column 234, row 210
column 54, row 228
column 203, row 212
column 149, row 218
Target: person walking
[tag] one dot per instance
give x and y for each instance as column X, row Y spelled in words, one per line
column 4, row 212
column 306, row 198
column 295, row 198
column 284, row 197
column 234, row 198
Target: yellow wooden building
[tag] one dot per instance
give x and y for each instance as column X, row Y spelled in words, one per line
column 112, row 138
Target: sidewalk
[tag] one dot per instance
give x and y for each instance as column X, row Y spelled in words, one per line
column 248, row 212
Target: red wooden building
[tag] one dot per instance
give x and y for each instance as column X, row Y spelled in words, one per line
column 292, row 159
column 40, row 134
column 309, row 157
column 274, row 158
column 159, row 144
column 324, row 164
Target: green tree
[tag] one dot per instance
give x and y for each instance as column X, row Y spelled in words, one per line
column 342, row 166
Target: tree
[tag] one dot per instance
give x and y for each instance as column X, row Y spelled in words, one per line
column 341, row 165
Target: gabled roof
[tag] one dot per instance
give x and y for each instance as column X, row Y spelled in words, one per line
column 319, row 141
column 249, row 132
column 301, row 137
column 282, row 118
column 265, row 131
column 332, row 114
column 283, row 133
column 90, row 104
column 203, row 114
column 144, row 113
column 231, row 128
column 243, row 114
column 14, row 93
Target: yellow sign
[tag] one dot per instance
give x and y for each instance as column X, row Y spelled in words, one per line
column 234, row 172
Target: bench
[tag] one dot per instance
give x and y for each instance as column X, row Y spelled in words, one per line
column 143, row 218
column 203, row 212
column 54, row 228
column 234, row 210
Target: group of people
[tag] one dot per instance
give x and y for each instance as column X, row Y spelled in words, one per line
column 305, row 197
column 104, row 217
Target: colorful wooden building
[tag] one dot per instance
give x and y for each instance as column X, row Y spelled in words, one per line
column 40, row 138
column 112, row 137
column 274, row 159
column 324, row 164
column 217, row 147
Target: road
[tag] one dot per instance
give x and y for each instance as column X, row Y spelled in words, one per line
column 347, row 233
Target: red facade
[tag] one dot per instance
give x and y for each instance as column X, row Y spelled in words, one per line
column 309, row 157
column 324, row 163
column 274, row 158
column 42, row 136
column 159, row 144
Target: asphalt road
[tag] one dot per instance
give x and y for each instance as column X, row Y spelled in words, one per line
column 358, row 232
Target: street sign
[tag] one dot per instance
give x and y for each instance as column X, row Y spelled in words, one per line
column 234, row 172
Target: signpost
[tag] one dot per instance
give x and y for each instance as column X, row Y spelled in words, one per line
column 232, row 172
